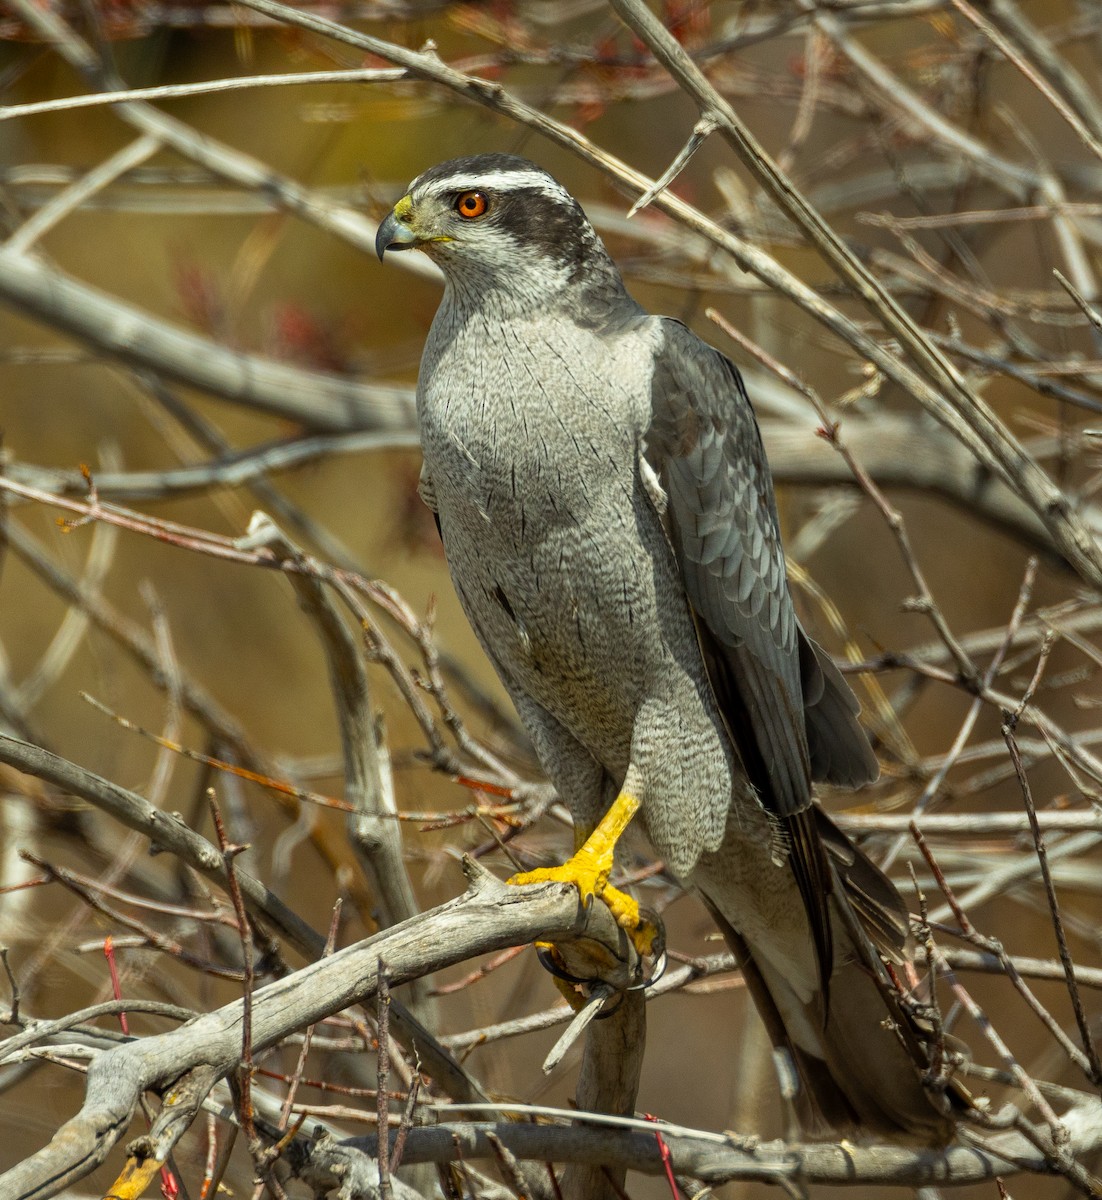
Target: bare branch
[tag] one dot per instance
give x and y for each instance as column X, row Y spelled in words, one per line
column 210, row 87
column 489, row 917
column 321, row 402
column 956, row 404
column 725, row 1160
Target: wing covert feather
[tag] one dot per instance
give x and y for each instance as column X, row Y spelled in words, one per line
column 705, row 446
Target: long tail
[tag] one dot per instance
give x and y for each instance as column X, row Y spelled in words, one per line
column 858, row 1055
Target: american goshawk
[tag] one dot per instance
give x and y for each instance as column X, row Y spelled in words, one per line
column 609, row 523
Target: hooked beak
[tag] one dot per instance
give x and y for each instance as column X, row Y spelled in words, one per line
column 396, row 232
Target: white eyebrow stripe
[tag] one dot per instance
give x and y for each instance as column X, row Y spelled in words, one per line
column 506, row 180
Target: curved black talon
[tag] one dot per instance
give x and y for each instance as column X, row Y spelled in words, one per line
column 546, row 955
column 660, row 965
column 657, row 951
column 549, row 962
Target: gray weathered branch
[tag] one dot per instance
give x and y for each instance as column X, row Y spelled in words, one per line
column 489, row 917
column 374, row 833
column 327, row 403
column 716, row 1159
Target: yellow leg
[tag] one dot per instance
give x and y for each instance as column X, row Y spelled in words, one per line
column 590, row 867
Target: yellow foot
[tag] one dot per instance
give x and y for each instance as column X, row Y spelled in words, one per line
column 589, row 870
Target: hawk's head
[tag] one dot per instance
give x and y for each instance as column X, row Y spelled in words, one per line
column 497, row 222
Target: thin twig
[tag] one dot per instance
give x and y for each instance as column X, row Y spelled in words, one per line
column 244, row 926
column 1094, row 1073
column 176, row 91
column 382, row 1010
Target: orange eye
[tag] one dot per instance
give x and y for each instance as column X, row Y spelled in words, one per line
column 471, row 204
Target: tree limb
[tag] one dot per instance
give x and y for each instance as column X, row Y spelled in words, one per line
column 488, row 917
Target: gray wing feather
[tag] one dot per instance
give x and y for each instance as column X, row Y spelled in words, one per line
column 791, row 713
column 840, row 752
column 704, row 444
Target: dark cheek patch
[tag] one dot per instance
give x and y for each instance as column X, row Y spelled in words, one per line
column 552, row 227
